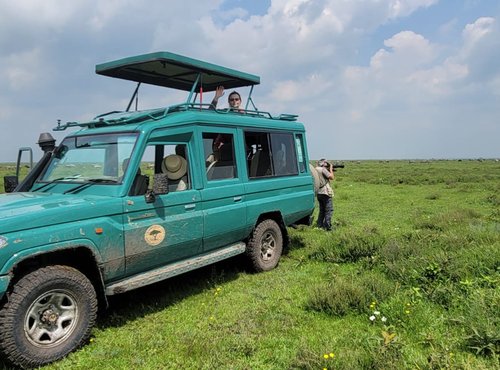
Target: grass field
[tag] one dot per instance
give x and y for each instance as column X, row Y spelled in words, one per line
column 409, row 279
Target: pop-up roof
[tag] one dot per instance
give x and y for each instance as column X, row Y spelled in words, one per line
column 176, row 71
column 173, row 71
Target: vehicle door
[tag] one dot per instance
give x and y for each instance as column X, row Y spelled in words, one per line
column 170, row 228
column 223, row 193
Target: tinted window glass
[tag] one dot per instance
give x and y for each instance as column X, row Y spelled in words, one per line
column 300, row 152
column 270, row 154
column 258, row 154
column 283, row 153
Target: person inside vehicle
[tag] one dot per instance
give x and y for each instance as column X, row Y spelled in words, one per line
column 175, row 167
column 234, row 99
column 216, row 146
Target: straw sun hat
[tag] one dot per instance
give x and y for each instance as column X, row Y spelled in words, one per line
column 174, row 166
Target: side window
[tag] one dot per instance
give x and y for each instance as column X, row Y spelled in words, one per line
column 299, row 141
column 284, row 156
column 258, row 154
column 270, row 154
column 219, row 156
column 170, row 159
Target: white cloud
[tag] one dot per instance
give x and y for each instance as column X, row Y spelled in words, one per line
column 399, row 73
column 308, row 93
column 105, row 11
column 49, row 12
column 230, row 15
column 474, row 32
column 407, row 52
column 412, row 70
column 21, row 71
column 402, row 8
column 306, row 36
column 439, row 80
column 481, row 48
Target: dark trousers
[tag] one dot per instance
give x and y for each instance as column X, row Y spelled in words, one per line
column 325, row 212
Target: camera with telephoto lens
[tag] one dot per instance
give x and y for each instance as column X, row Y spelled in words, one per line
column 332, row 166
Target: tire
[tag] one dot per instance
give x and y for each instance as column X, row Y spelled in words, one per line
column 49, row 313
column 265, row 246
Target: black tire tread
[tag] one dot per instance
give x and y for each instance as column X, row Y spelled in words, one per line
column 9, row 346
column 253, row 245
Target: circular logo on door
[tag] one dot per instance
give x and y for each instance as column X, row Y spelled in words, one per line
column 154, row 235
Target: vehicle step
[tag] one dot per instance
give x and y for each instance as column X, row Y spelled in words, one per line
column 177, row 268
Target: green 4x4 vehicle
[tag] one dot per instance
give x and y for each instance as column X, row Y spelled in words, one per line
column 134, row 197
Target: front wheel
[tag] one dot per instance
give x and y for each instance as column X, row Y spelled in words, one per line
column 265, row 246
column 49, row 313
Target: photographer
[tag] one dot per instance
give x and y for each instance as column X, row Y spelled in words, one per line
column 325, row 194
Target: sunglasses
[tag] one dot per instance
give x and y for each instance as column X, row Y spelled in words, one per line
column 234, row 99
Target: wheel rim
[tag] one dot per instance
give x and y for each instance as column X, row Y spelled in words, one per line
column 268, row 246
column 51, row 318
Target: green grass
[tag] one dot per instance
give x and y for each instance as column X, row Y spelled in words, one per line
column 416, row 245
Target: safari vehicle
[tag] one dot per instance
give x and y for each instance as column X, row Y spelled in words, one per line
column 134, row 197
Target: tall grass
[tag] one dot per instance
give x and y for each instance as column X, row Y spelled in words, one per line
column 408, row 279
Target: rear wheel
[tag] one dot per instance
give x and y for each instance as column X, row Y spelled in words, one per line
column 49, row 313
column 265, row 247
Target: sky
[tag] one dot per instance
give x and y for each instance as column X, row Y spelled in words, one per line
column 370, row 79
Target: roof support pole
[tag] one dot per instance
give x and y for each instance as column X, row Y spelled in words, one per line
column 134, row 95
column 249, row 100
column 193, row 88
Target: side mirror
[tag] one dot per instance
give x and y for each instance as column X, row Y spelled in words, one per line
column 10, row 183
column 160, row 186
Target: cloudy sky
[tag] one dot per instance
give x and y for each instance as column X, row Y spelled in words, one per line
column 370, row 79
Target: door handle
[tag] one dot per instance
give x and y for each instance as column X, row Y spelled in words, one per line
column 188, row 207
column 237, row 199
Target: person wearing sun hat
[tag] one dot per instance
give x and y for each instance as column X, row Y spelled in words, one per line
column 175, row 167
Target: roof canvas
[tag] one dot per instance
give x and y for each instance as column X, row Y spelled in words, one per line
column 175, row 71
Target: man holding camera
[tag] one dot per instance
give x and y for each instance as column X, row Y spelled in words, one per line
column 325, row 194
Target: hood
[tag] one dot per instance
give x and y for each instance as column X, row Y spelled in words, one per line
column 19, row 211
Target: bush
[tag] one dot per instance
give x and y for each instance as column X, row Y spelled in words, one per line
column 444, row 221
column 350, row 246
column 344, row 295
column 478, row 316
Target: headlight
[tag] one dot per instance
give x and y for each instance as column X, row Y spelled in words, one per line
column 3, row 242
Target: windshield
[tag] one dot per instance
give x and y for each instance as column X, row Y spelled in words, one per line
column 92, row 157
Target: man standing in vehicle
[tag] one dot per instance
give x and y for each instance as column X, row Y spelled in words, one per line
column 325, row 194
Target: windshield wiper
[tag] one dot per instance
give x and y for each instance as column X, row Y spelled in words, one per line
column 55, row 180
column 90, row 182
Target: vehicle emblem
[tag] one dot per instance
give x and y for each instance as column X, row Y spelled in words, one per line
column 154, row 235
